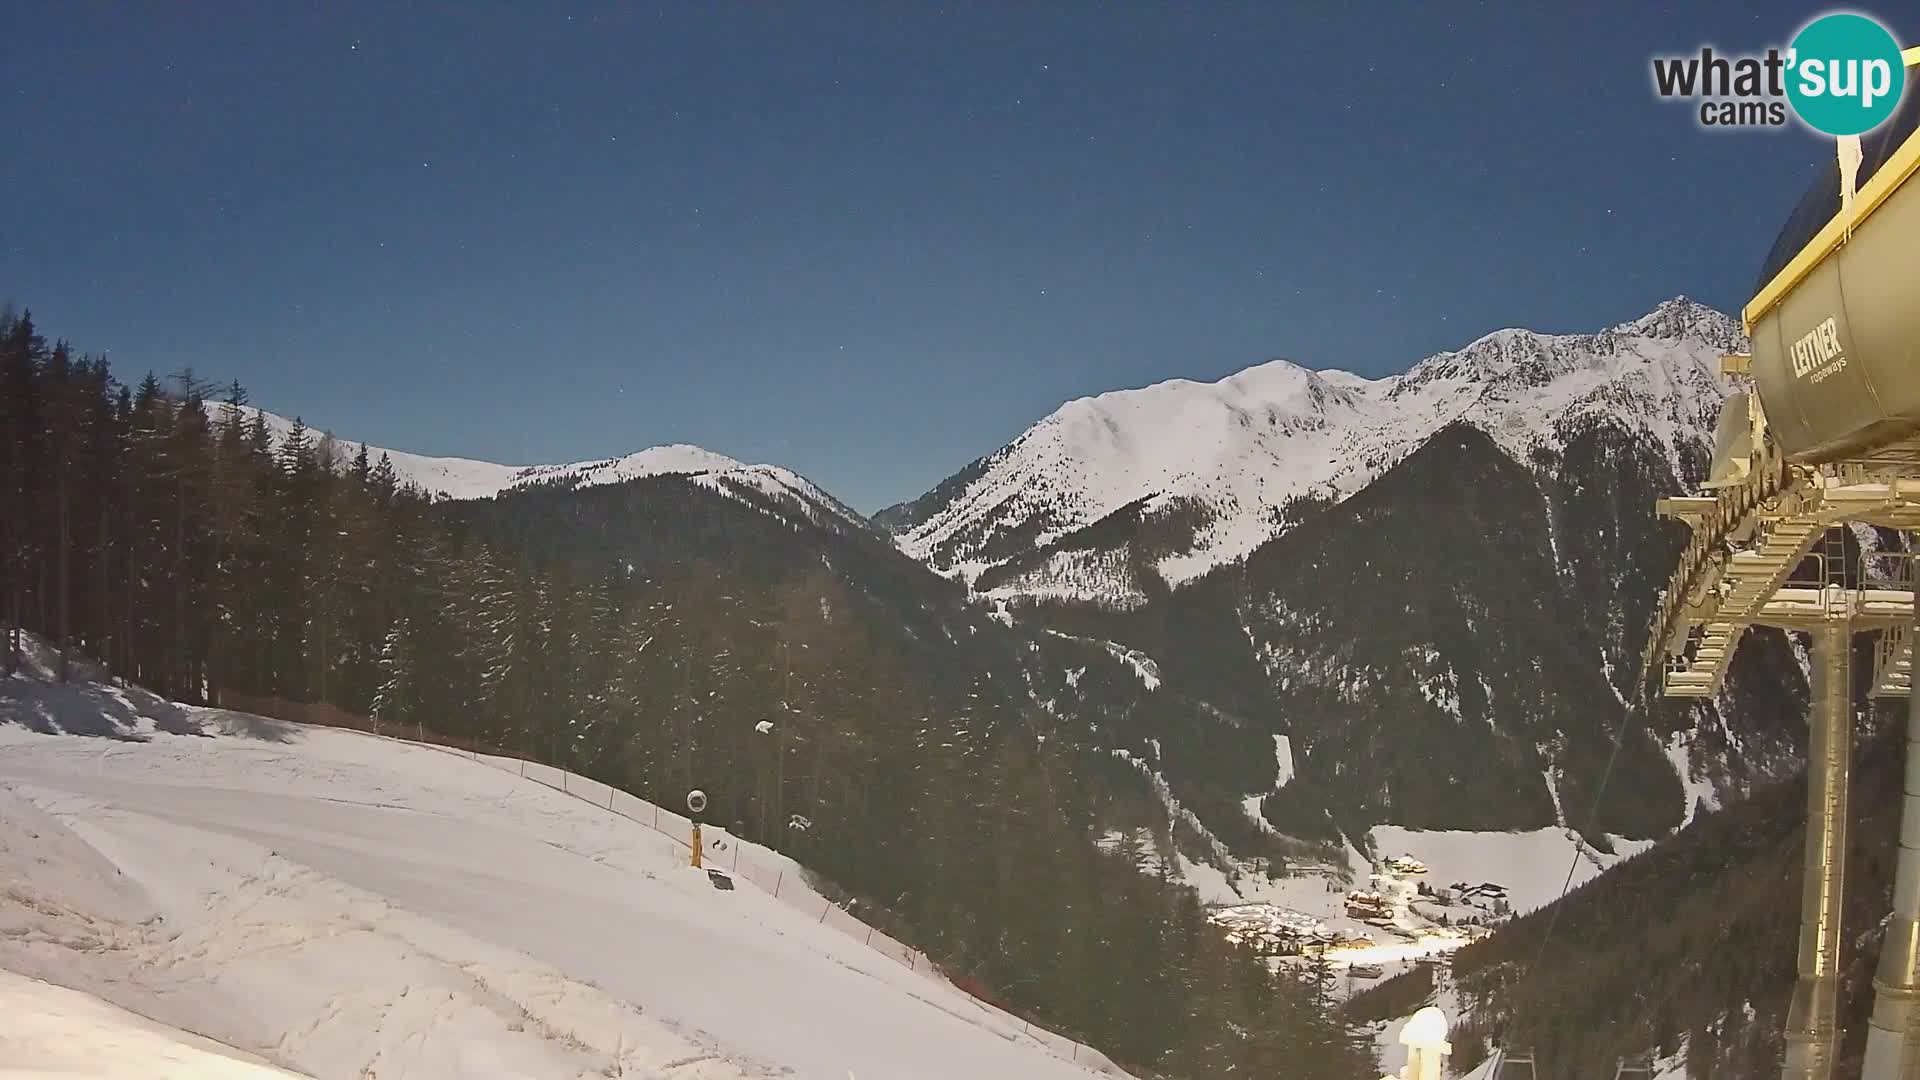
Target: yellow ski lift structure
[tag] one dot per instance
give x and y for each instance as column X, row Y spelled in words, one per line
column 1826, row 434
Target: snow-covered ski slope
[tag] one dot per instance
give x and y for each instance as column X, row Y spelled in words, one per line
column 349, row 906
column 52, row 1031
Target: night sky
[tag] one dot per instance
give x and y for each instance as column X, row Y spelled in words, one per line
column 870, row 241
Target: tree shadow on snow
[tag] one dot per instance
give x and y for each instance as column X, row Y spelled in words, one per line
column 93, row 709
column 244, row 725
column 90, row 703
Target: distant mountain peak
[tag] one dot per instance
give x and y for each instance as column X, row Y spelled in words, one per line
column 1229, row 456
column 672, row 458
column 1683, row 318
column 466, row 478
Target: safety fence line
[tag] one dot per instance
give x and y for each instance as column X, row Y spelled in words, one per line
column 678, row 828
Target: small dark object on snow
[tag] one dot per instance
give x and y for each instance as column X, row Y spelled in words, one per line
column 720, row 880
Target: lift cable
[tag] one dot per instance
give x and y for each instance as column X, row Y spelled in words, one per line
column 1593, row 818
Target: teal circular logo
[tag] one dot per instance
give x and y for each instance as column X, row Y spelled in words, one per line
column 1844, row 74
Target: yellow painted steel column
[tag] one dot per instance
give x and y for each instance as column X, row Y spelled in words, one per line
column 1811, row 1019
column 696, row 845
column 1893, row 1046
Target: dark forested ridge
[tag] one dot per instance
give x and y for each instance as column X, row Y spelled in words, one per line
column 1455, row 646
column 1692, row 943
column 952, row 772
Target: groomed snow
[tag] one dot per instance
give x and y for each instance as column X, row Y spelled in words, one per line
column 51, row 1031
column 349, row 906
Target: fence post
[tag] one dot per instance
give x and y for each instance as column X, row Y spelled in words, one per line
column 609, row 798
column 869, row 941
column 779, row 881
column 828, row 906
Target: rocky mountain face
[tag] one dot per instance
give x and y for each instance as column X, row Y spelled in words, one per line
column 1454, row 647
column 1432, row 584
column 1111, row 497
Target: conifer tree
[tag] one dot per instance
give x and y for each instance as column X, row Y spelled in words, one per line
column 394, row 700
column 21, row 478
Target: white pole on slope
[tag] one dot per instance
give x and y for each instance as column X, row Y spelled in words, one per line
column 1425, row 1037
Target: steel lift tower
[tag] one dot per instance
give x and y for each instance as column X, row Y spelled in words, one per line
column 1825, row 435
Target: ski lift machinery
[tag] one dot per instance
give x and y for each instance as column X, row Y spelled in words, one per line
column 1825, row 435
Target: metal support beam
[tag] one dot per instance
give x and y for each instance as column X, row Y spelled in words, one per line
column 1514, row 1066
column 1892, row 1053
column 1811, row 1019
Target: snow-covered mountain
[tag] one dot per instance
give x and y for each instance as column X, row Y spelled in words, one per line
column 1206, row 470
column 767, row 486
column 1431, row 585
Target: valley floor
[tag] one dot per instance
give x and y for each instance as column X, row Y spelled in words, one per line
column 1530, row 866
column 348, row 906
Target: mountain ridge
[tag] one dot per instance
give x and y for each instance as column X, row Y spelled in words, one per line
column 1229, row 456
column 461, row 479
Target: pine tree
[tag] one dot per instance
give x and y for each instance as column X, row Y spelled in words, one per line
column 394, row 701
column 105, row 439
column 64, row 386
column 485, row 655
column 147, row 564
column 21, row 472
column 296, row 519
column 230, row 541
column 591, row 620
